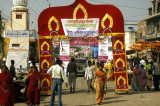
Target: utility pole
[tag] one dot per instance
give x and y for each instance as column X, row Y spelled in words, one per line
column 49, row 3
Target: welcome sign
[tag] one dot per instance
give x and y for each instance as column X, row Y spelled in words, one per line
column 80, row 27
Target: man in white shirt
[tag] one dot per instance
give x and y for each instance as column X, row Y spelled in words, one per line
column 89, row 73
column 57, row 74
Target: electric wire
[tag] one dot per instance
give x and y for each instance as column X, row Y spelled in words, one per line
column 120, row 5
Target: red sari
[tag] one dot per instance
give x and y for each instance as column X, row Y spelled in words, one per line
column 7, row 94
column 33, row 93
column 101, row 78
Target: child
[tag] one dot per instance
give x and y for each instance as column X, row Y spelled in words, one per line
column 149, row 80
column 143, row 76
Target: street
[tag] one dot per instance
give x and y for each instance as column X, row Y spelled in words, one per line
column 82, row 98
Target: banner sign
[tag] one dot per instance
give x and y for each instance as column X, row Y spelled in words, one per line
column 102, row 58
column 64, row 48
column 83, row 42
column 16, row 33
column 103, row 48
column 20, row 58
column 80, row 27
column 95, row 52
column 103, row 51
column 64, row 58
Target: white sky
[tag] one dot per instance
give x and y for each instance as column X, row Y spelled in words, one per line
column 132, row 10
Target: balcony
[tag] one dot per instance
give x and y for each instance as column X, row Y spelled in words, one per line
column 151, row 36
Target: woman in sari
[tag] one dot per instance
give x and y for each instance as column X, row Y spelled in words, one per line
column 33, row 90
column 7, row 94
column 135, row 78
column 101, row 81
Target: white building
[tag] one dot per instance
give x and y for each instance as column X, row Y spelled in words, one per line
column 130, row 36
column 18, row 33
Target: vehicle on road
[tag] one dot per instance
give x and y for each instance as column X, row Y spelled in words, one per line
column 81, row 66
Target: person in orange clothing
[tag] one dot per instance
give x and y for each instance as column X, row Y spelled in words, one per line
column 33, row 90
column 7, row 95
column 101, row 81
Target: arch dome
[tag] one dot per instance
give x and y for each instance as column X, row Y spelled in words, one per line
column 20, row 3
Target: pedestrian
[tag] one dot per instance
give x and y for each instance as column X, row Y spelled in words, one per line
column 147, row 66
column 149, row 80
column 72, row 70
column 135, row 79
column 89, row 73
column 109, row 69
column 101, row 81
column 33, row 90
column 143, row 77
column 12, row 68
column 156, row 74
column 7, row 95
column 57, row 75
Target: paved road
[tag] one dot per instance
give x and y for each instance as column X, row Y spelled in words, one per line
column 82, row 98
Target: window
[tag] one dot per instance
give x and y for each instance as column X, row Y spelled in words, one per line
column 15, row 45
column 140, row 36
column 150, row 29
column 18, row 16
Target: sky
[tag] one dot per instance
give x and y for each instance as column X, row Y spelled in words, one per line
column 132, row 10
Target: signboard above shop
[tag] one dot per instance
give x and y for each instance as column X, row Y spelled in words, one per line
column 80, row 27
column 16, row 33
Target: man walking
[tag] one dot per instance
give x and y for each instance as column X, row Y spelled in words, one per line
column 57, row 74
column 89, row 73
column 156, row 74
column 72, row 70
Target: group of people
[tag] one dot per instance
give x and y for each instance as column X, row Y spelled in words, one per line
column 7, row 92
column 93, row 74
column 144, row 73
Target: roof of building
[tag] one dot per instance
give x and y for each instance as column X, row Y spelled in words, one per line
column 130, row 27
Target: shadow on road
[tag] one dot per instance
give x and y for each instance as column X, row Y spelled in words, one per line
column 113, row 101
column 111, row 97
column 64, row 92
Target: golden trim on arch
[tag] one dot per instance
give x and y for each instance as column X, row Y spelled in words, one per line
column 43, row 81
column 121, row 77
column 44, row 43
column 56, row 21
column 45, row 61
column 119, row 59
column 115, row 44
column 104, row 19
column 112, row 34
column 80, row 6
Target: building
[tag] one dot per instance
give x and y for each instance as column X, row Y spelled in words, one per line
column 22, row 42
column 153, row 22
column 130, row 37
column 149, row 28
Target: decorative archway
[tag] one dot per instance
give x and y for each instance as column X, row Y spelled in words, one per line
column 111, row 24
